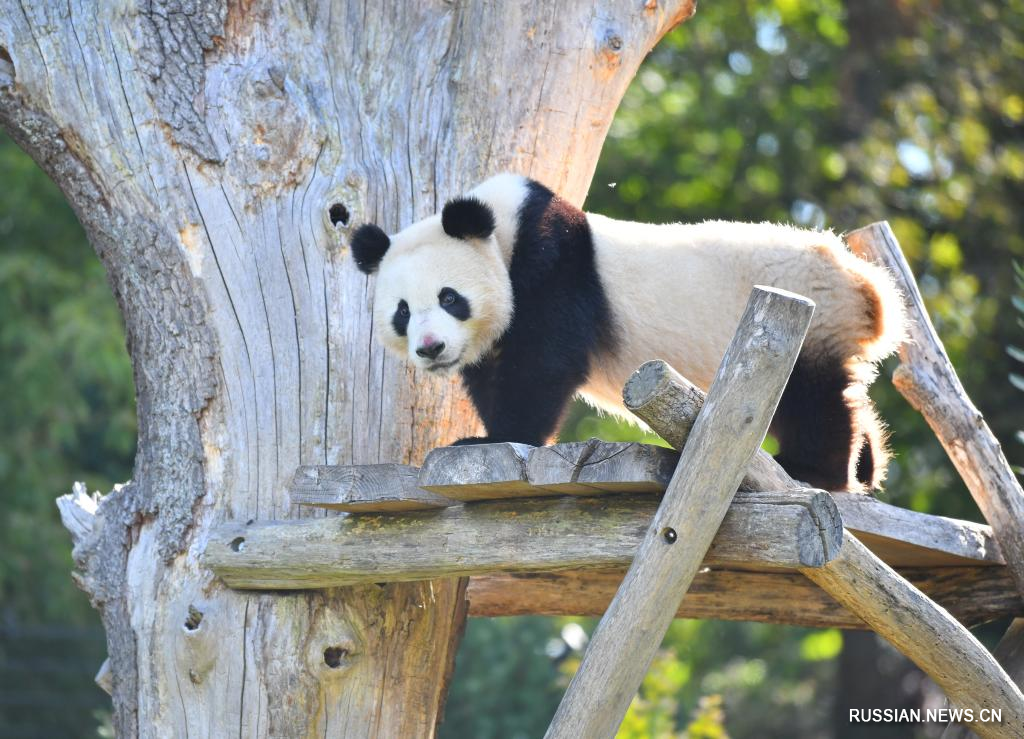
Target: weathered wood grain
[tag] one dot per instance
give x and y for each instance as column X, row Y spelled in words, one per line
column 478, row 472
column 929, row 382
column 507, row 470
column 924, row 632
column 790, row 529
column 973, row 595
column 363, row 487
column 901, row 537
column 907, row 538
column 729, row 429
column 1010, row 654
column 595, row 467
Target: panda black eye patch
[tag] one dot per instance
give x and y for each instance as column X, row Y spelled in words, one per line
column 400, row 321
column 454, row 303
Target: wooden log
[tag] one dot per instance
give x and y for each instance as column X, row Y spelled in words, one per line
column 1010, row 654
column 669, row 403
column 730, row 428
column 595, row 467
column 973, row 595
column 497, row 471
column 363, row 487
column 924, row 632
column 927, row 379
column 507, row 470
column 898, row 535
column 906, row 538
column 789, row 530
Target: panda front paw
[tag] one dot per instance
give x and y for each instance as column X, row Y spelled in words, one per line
column 470, row 440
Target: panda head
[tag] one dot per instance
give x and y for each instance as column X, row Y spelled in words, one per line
column 443, row 294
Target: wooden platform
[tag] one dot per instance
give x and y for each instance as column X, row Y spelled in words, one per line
column 551, row 530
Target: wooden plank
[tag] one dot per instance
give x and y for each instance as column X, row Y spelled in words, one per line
column 594, row 467
column 973, row 595
column 787, row 530
column 907, row 538
column 479, row 472
column 729, row 429
column 363, row 487
column 929, row 382
column 924, row 632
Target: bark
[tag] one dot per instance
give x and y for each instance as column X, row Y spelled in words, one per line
column 218, row 156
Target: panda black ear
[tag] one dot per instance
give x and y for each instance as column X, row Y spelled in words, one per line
column 369, row 244
column 467, row 218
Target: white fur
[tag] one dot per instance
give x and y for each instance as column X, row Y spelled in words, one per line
column 676, row 291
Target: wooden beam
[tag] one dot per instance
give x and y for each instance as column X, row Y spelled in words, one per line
column 906, row 538
column 1010, row 654
column 730, row 428
column 973, row 595
column 924, row 632
column 928, row 380
column 899, row 536
column 363, row 487
column 669, row 403
column 595, row 467
column 788, row 530
column 507, row 470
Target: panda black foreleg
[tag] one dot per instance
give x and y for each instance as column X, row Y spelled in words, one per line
column 814, row 424
column 520, row 403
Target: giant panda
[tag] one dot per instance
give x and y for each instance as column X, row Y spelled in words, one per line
column 533, row 301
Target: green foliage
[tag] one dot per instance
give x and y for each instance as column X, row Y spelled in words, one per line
column 67, row 414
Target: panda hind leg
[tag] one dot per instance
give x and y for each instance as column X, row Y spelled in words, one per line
column 819, row 425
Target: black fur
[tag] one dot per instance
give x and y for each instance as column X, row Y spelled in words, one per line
column 467, row 218
column 369, row 245
column 561, row 317
column 454, row 303
column 400, row 319
column 814, row 423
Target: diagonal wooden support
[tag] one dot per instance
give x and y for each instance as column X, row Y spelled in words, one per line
column 927, row 379
column 892, row 606
column 731, row 427
column 936, row 642
column 1010, row 654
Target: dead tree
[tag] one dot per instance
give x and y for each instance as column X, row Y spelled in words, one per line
column 217, row 155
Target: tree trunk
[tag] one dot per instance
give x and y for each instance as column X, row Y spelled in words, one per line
column 218, row 156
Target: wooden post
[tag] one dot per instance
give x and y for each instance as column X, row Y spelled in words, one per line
column 735, row 418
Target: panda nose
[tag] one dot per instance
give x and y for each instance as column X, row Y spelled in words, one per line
column 431, row 351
